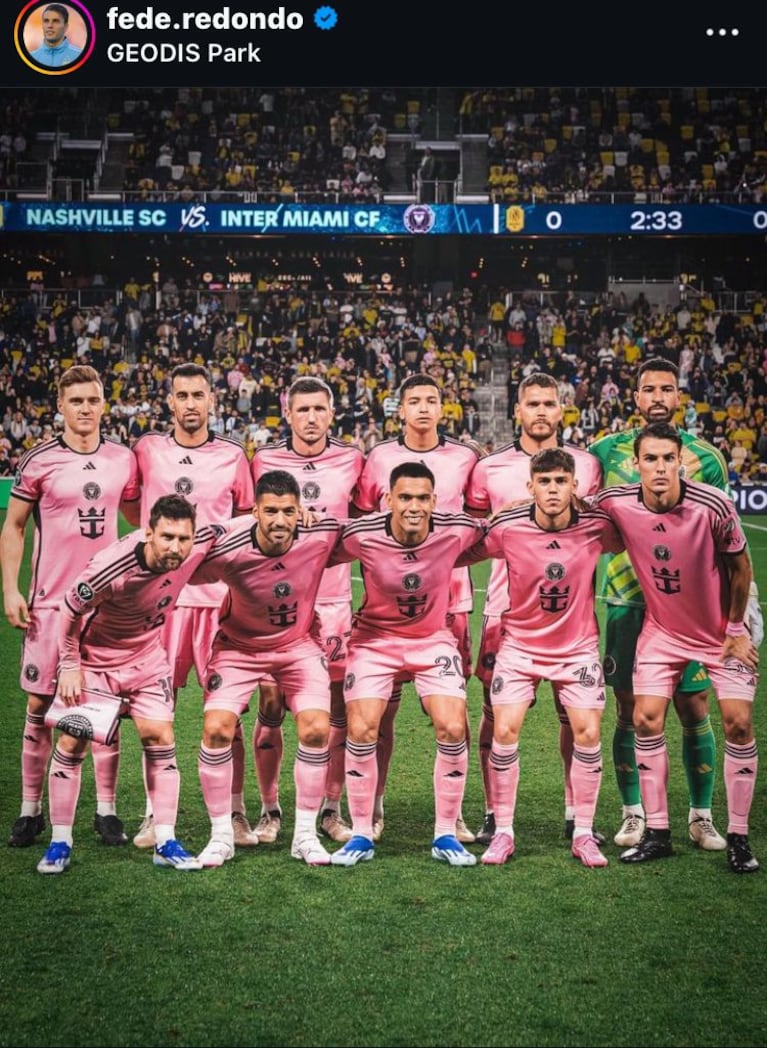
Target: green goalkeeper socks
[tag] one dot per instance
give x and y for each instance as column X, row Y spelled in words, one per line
column 699, row 757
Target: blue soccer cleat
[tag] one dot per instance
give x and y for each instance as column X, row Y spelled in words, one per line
column 56, row 858
column 449, row 849
column 358, row 849
column 175, row 855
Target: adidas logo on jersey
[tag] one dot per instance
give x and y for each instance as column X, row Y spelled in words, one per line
column 310, row 466
column 279, row 566
column 186, row 461
column 410, row 556
column 554, row 545
column 167, row 582
column 89, row 465
column 659, row 527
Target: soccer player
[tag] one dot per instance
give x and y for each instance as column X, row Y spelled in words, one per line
column 451, row 462
column 406, row 556
column 498, row 479
column 55, row 50
column 327, row 472
column 72, row 486
column 214, row 473
column 657, row 400
column 273, row 569
column 110, row 641
column 548, row 632
column 690, row 555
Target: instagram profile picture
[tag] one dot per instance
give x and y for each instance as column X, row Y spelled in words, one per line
column 54, row 38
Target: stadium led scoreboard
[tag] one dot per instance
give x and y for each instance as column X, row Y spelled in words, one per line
column 513, row 220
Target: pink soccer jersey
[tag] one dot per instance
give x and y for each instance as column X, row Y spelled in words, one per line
column 550, row 574
column 215, row 477
column 328, row 483
column 451, row 462
column 271, row 599
column 406, row 590
column 501, row 478
column 76, row 498
column 677, row 556
column 124, row 603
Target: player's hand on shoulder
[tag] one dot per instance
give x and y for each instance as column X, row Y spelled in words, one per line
column 16, row 610
column 514, row 504
column 308, row 517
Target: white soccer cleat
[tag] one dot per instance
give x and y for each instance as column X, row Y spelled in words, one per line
column 449, row 849
column 358, row 849
column 244, row 836
column 56, row 858
column 145, row 836
column 703, row 832
column 268, row 826
column 173, row 854
column 310, row 851
column 630, row 833
column 216, row 853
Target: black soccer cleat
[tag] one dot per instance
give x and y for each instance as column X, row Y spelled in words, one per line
column 25, row 830
column 570, row 830
column 739, row 854
column 655, row 844
column 110, row 829
column 487, row 831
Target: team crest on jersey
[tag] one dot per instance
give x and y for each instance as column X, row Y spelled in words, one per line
column 554, row 572
column 214, row 681
column 91, row 491
column 411, row 582
column 31, row 673
column 184, row 486
column 488, row 660
column 84, row 592
column 349, row 681
column 609, row 665
column 661, row 552
column 497, row 686
column 282, row 589
column 310, row 491
column 17, row 477
column 163, row 603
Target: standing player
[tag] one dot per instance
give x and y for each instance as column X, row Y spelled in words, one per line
column 110, row 641
column 657, row 400
column 500, row 478
column 451, row 462
column 273, row 569
column 327, row 472
column 690, row 555
column 214, row 474
column 548, row 632
column 406, row 556
column 73, row 487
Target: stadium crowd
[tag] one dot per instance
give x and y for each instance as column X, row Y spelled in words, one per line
column 567, row 144
column 364, row 346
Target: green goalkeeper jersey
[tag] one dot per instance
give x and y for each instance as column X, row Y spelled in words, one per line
column 700, row 461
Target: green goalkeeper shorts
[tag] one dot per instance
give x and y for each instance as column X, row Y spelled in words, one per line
column 624, row 624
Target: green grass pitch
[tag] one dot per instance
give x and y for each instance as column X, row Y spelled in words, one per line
column 401, row 951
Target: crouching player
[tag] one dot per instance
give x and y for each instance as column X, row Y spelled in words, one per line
column 406, row 557
column 110, row 641
column 689, row 552
column 273, row 568
column 549, row 633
